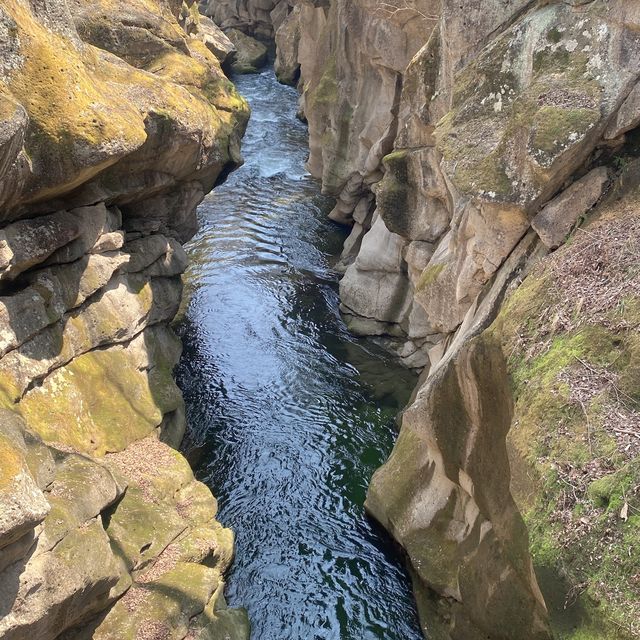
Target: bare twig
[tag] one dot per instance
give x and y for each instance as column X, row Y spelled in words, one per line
column 391, row 10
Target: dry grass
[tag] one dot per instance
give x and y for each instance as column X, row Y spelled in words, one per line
column 597, row 273
column 142, row 461
column 570, row 334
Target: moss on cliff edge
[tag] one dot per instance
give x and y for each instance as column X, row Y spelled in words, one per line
column 570, row 333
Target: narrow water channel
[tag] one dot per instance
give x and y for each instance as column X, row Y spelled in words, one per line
column 289, row 415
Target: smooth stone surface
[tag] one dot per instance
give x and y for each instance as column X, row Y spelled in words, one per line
column 557, row 218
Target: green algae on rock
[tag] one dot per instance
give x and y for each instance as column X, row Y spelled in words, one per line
column 117, row 119
column 570, row 333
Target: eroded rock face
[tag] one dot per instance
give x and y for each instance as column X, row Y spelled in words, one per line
column 448, row 502
column 116, row 119
column 261, row 18
column 462, row 140
column 512, row 132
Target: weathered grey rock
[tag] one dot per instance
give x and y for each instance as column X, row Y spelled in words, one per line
column 375, row 294
column 216, row 40
column 558, row 217
column 628, row 116
column 251, row 54
column 444, row 493
column 460, row 525
column 260, row 18
column 287, row 39
column 111, row 241
column 413, row 197
column 417, row 255
column 381, row 250
column 13, row 160
column 30, row 242
column 54, row 590
column 92, row 223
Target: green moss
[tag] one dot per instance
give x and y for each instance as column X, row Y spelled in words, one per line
column 429, row 276
column 609, row 492
column 166, row 605
column 112, row 401
column 553, row 35
column 554, row 438
column 397, row 162
column 487, row 175
column 555, row 128
column 394, row 193
column 594, row 344
column 326, row 93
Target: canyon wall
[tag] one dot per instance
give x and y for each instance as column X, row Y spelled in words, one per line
column 116, row 121
column 464, row 142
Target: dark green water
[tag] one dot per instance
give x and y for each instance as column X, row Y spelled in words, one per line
column 289, row 415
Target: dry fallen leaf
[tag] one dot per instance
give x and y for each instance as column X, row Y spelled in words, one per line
column 624, row 512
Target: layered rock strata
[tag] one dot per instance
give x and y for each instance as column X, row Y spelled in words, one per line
column 116, row 120
column 463, row 142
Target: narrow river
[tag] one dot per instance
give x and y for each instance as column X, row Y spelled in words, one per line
column 289, row 415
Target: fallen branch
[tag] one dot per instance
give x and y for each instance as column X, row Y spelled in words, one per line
column 392, row 10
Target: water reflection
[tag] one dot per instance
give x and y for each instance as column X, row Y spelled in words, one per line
column 289, row 415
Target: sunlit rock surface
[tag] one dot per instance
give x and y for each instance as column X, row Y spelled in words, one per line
column 463, row 141
column 116, row 120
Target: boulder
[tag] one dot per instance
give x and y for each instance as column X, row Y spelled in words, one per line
column 216, row 40
column 558, row 217
column 251, row 54
column 22, row 503
column 27, row 243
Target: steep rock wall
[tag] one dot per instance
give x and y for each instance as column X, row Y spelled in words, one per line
column 523, row 138
column 350, row 80
column 261, row 19
column 116, row 120
column 463, row 141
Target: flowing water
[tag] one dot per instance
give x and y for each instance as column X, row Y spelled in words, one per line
column 289, row 415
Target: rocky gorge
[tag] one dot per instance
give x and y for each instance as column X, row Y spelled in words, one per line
column 484, row 156
column 464, row 143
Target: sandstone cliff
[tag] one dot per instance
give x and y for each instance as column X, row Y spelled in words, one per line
column 116, row 120
column 464, row 142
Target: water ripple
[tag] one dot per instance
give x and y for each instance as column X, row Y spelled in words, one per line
column 288, row 414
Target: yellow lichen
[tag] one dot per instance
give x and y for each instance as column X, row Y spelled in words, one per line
column 11, row 462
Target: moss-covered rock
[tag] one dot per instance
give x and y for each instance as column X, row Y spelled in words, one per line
column 251, row 54
column 570, row 334
column 444, row 495
column 530, row 108
column 114, row 101
column 116, row 120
